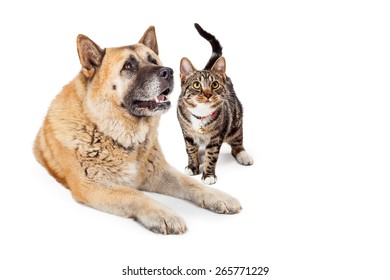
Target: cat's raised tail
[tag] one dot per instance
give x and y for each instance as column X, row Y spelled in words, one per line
column 215, row 44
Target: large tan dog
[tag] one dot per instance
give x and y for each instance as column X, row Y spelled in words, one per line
column 99, row 138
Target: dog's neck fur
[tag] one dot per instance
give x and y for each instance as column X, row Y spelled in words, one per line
column 127, row 130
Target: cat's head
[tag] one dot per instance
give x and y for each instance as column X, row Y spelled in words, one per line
column 206, row 88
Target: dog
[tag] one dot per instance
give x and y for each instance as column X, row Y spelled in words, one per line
column 99, row 137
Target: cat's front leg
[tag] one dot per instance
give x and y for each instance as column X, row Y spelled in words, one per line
column 193, row 157
column 212, row 153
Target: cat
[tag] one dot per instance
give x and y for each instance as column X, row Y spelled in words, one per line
column 209, row 112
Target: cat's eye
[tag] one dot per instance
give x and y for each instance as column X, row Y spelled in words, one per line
column 196, row 85
column 215, row 85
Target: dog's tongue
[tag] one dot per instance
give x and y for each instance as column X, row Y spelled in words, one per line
column 160, row 98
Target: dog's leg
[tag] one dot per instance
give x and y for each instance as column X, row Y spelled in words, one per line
column 131, row 203
column 171, row 182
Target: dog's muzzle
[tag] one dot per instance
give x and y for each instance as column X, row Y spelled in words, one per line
column 150, row 96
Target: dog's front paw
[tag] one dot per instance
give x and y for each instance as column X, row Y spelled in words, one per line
column 244, row 158
column 220, row 202
column 191, row 170
column 209, row 179
column 163, row 221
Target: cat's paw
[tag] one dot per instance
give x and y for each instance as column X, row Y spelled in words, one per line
column 244, row 158
column 191, row 171
column 209, row 179
column 188, row 171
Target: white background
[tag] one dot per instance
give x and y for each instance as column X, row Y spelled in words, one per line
column 313, row 77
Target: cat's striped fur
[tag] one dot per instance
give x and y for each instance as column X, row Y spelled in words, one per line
column 209, row 112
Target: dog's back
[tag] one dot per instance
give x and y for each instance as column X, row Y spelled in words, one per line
column 53, row 137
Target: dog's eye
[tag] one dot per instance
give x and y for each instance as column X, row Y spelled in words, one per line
column 215, row 85
column 127, row 66
column 152, row 59
column 130, row 64
column 196, row 85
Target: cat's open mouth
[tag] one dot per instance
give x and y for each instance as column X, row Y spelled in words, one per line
column 160, row 102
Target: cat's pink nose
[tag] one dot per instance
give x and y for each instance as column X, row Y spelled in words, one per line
column 207, row 93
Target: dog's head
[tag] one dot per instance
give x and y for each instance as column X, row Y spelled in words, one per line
column 128, row 79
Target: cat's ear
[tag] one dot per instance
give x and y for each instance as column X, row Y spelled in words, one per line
column 220, row 67
column 186, row 68
column 149, row 39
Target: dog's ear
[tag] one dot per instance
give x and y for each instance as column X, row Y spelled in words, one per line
column 90, row 55
column 149, row 39
column 186, row 68
column 220, row 67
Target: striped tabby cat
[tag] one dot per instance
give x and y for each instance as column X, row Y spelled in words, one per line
column 209, row 112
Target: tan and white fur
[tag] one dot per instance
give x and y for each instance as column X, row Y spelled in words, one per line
column 99, row 138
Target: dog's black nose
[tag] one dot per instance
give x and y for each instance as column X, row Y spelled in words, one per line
column 165, row 73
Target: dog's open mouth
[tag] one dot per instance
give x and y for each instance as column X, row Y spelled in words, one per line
column 160, row 102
